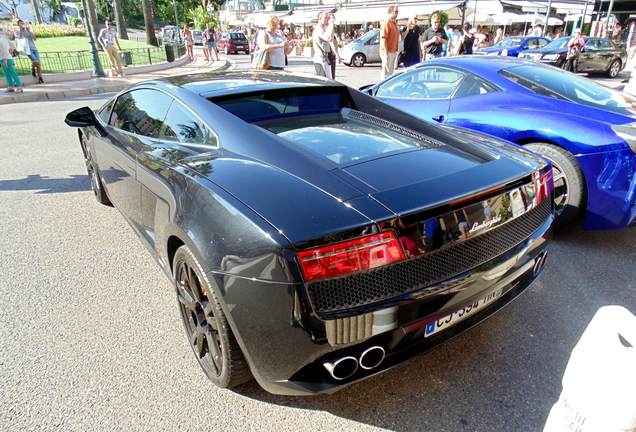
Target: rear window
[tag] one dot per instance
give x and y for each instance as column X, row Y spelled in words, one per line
column 237, row 36
column 275, row 104
column 555, row 83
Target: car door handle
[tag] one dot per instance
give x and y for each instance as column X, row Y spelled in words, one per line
column 439, row 119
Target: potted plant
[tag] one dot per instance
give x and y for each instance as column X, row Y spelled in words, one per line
column 309, row 48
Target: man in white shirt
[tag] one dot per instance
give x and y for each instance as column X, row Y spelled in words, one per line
column 107, row 38
column 322, row 37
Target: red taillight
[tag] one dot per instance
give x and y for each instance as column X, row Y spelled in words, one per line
column 351, row 256
column 544, row 186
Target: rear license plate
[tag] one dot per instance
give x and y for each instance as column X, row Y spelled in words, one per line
column 460, row 315
column 240, row 46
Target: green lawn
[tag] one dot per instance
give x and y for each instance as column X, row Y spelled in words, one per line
column 76, row 43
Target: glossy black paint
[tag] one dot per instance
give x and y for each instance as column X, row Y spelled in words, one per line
column 245, row 205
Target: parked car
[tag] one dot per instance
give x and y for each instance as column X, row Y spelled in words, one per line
column 597, row 55
column 169, row 32
column 315, row 236
column 513, row 45
column 365, row 49
column 232, row 43
column 198, row 37
column 586, row 130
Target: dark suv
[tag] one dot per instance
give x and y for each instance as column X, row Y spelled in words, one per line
column 597, row 55
column 230, row 42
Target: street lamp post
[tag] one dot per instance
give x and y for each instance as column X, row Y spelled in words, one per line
column 97, row 65
column 176, row 16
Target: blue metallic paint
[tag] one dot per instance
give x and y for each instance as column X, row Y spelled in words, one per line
column 520, row 116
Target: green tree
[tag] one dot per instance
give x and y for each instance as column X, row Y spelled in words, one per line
column 443, row 18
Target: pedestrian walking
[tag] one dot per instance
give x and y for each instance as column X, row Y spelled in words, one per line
column 108, row 38
column 273, row 41
column 466, row 42
column 189, row 41
column 574, row 48
column 7, row 48
column 389, row 42
column 322, row 37
column 412, row 53
column 434, row 38
column 26, row 32
column 211, row 41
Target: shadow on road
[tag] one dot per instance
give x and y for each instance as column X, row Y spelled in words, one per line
column 46, row 185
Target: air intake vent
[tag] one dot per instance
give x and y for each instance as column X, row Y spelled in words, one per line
column 363, row 117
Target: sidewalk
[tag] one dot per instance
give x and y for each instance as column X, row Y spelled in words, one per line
column 82, row 87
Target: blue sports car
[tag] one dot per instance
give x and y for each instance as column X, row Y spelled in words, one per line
column 587, row 131
column 513, row 46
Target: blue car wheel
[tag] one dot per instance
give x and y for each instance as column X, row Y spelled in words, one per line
column 570, row 190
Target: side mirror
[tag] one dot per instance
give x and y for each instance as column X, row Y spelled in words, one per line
column 82, row 117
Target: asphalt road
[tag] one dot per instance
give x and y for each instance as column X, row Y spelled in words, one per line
column 91, row 339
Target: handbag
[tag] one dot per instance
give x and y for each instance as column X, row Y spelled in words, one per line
column 23, row 46
column 260, row 60
column 331, row 58
column 573, row 53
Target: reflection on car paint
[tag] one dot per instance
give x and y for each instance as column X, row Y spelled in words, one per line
column 475, row 219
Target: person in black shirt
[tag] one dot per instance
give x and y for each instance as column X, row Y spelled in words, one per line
column 412, row 54
column 465, row 44
column 434, row 38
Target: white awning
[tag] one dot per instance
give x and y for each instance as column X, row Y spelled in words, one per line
column 542, row 6
column 361, row 15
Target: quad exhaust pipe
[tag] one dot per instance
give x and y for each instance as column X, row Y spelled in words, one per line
column 343, row 368
column 372, row 357
column 346, row 366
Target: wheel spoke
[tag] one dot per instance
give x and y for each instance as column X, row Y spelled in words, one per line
column 214, row 345
column 194, row 284
column 559, row 176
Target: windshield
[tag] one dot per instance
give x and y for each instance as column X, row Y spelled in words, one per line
column 558, row 43
column 559, row 84
column 511, row 41
column 367, row 36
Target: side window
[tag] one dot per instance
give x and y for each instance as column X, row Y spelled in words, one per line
column 374, row 40
column 183, row 126
column 605, row 44
column 472, row 86
column 543, row 43
column 141, row 112
column 104, row 112
column 532, row 43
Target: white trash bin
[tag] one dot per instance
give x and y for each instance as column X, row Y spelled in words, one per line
column 599, row 384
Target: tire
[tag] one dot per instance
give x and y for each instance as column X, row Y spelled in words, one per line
column 614, row 69
column 358, row 60
column 206, row 326
column 570, row 189
column 97, row 186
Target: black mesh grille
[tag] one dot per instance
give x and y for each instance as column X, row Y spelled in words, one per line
column 383, row 283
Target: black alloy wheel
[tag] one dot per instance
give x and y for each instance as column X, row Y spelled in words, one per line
column 614, row 69
column 97, row 186
column 206, row 326
column 570, row 189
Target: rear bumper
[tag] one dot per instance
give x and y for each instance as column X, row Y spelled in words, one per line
column 287, row 351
